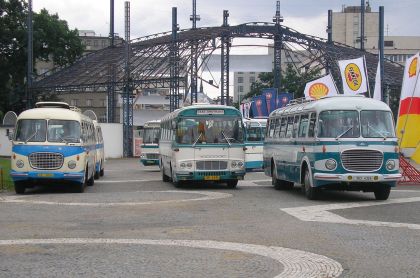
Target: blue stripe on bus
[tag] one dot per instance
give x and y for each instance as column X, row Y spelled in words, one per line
column 25, row 150
column 253, row 165
column 99, row 146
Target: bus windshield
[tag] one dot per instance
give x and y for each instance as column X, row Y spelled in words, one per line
column 339, row 124
column 215, row 130
column 31, row 130
column 151, row 135
column 255, row 133
column 63, row 131
column 377, row 124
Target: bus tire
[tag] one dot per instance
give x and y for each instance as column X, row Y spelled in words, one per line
column 232, row 183
column 311, row 193
column 97, row 175
column 165, row 178
column 91, row 181
column 382, row 193
column 102, row 171
column 279, row 184
column 20, row 187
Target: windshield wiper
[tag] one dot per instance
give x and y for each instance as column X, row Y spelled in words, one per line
column 196, row 140
column 227, row 139
column 62, row 139
column 377, row 131
column 30, row 137
column 347, row 130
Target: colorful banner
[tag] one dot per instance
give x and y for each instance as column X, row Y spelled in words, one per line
column 270, row 98
column 408, row 123
column 320, row 88
column 377, row 93
column 245, row 109
column 259, row 106
column 283, row 99
column 353, row 74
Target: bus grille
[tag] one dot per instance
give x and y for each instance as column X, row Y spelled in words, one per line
column 211, row 165
column 152, row 156
column 46, row 161
column 362, row 160
column 213, row 173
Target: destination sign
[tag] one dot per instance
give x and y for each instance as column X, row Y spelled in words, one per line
column 210, row 112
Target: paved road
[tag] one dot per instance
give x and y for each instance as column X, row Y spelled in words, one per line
column 131, row 224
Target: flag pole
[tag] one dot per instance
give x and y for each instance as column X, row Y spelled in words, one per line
column 366, row 74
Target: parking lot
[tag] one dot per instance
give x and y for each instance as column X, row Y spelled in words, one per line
column 132, row 224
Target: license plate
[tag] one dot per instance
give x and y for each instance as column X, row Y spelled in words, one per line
column 45, row 175
column 364, row 178
column 211, row 178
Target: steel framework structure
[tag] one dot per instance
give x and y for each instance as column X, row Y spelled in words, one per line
column 160, row 61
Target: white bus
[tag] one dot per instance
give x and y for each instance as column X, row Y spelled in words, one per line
column 344, row 143
column 254, row 141
column 150, row 146
column 203, row 143
column 53, row 144
column 100, row 153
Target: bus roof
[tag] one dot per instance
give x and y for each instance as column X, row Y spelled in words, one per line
column 333, row 103
column 53, row 113
column 188, row 110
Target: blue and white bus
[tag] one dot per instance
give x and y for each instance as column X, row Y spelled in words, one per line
column 343, row 143
column 254, row 141
column 203, row 142
column 53, row 144
column 150, row 146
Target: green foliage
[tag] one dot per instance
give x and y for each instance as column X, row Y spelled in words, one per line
column 292, row 81
column 53, row 41
column 6, row 182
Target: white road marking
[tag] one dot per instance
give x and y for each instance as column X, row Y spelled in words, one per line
column 208, row 196
column 296, row 263
column 321, row 213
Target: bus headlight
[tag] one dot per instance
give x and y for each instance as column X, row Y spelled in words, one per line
column 189, row 164
column 240, row 164
column 20, row 164
column 233, row 164
column 390, row 165
column 182, row 165
column 71, row 164
column 330, row 164
column 237, row 164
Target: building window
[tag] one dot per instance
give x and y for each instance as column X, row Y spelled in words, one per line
column 89, row 102
column 240, row 79
column 104, row 43
column 73, row 102
column 104, row 102
column 252, row 72
column 95, row 43
column 389, row 43
column 240, row 89
column 240, row 72
column 251, row 79
column 88, row 42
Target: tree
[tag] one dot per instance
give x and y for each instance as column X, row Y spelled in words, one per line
column 292, row 81
column 53, row 41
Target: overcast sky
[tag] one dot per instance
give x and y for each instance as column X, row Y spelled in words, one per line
column 154, row 16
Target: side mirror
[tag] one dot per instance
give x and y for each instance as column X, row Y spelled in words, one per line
column 10, row 134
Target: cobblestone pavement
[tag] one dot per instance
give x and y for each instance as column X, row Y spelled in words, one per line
column 131, row 224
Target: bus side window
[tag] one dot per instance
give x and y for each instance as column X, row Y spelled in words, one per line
column 295, row 126
column 303, row 126
column 283, row 127
column 312, row 121
column 289, row 130
column 277, row 131
column 272, row 127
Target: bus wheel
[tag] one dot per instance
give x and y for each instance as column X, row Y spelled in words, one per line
column 165, row 178
column 102, row 170
column 232, row 183
column 382, row 193
column 279, row 184
column 20, row 187
column 312, row 193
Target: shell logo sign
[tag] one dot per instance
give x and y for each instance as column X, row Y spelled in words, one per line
column 353, row 76
column 412, row 69
column 318, row 90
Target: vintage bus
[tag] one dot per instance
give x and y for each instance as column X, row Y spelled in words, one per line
column 100, row 153
column 254, row 141
column 342, row 142
column 53, row 144
column 202, row 142
column 150, row 146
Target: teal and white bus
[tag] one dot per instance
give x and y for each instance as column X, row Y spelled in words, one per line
column 100, row 152
column 254, row 141
column 53, row 144
column 342, row 142
column 150, row 146
column 202, row 142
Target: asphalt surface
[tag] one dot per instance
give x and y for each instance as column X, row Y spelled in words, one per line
column 131, row 224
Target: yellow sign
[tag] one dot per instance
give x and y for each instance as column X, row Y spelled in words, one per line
column 211, row 178
column 353, row 77
column 318, row 90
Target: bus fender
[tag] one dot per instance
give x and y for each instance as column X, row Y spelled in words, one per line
column 305, row 160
